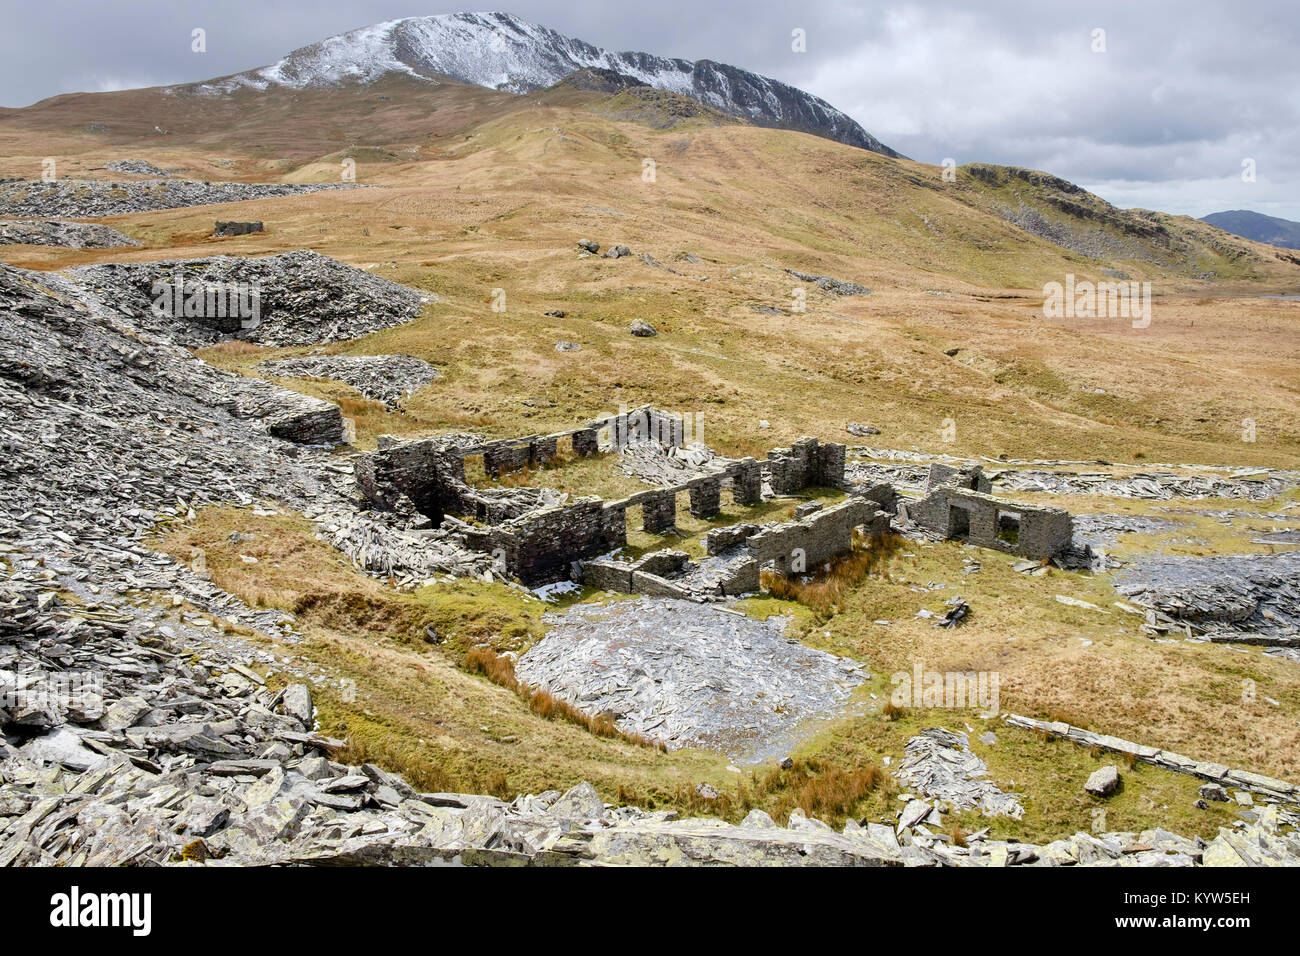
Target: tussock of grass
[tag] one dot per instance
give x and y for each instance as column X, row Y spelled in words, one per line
column 957, row 834
column 821, row 789
column 423, row 775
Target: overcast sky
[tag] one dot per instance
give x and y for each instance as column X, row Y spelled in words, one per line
column 1183, row 93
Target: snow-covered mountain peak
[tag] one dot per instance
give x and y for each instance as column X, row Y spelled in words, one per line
column 502, row 52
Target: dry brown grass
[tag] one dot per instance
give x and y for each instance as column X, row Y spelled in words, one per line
column 819, row 788
column 836, row 792
column 233, row 348
column 825, row 591
column 958, row 834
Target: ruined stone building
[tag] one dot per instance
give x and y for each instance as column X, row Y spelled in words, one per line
column 540, row 536
column 957, row 505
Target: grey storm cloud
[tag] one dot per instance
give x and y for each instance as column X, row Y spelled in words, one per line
column 1162, row 118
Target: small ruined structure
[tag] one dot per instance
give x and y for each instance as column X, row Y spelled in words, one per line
column 227, row 229
column 957, row 505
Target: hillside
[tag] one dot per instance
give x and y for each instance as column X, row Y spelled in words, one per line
column 1257, row 226
column 500, row 201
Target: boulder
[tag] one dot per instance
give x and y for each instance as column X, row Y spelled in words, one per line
column 1213, row 791
column 642, row 328
column 1103, row 782
column 296, row 702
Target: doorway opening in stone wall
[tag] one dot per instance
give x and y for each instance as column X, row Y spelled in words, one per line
column 635, row 517
column 475, row 470
column 1008, row 526
column 958, row 522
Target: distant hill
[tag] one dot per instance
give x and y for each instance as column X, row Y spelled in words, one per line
column 1257, row 226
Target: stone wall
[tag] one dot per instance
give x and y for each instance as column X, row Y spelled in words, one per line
column 737, row 554
column 746, row 481
column 659, row 512
column 670, row 573
column 542, row 545
column 645, row 423
column 972, row 479
column 805, row 463
column 717, row 540
column 798, row 546
column 1204, row 769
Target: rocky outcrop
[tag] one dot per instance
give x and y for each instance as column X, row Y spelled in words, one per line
column 827, row 284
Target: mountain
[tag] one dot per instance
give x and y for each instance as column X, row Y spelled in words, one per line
column 501, row 52
column 1257, row 226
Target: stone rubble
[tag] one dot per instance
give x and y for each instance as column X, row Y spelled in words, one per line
column 92, row 198
column 833, row 286
column 939, row 765
column 690, row 676
column 137, row 167
column 1250, row 484
column 663, row 465
column 1101, row 531
column 1248, row 598
column 72, row 235
column 305, row 298
column 908, row 471
column 386, row 378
